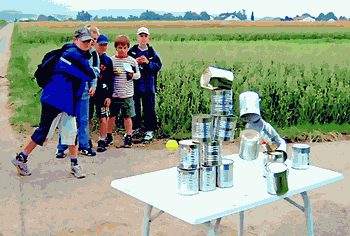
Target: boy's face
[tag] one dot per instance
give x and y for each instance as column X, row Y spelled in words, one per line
column 83, row 45
column 122, row 49
column 143, row 39
column 101, row 48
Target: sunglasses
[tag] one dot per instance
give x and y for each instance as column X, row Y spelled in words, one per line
column 87, row 41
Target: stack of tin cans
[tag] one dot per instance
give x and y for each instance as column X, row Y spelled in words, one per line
column 201, row 166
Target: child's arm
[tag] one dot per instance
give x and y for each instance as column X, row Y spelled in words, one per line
column 137, row 75
column 110, row 78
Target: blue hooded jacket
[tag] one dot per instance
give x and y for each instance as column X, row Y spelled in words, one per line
column 69, row 79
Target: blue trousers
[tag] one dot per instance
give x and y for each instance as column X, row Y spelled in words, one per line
column 83, row 126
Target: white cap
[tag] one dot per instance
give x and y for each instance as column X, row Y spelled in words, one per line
column 143, row 30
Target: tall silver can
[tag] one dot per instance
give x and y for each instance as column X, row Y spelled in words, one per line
column 273, row 157
column 224, row 128
column 249, row 146
column 212, row 153
column 277, row 178
column 202, row 128
column 189, row 155
column 188, row 181
column 301, row 156
column 224, row 174
column 222, row 102
column 207, row 178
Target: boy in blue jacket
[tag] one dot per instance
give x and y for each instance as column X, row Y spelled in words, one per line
column 146, row 87
column 59, row 101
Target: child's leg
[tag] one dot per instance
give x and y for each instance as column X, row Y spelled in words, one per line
column 73, row 151
column 103, row 127
column 111, row 124
column 128, row 125
column 29, row 147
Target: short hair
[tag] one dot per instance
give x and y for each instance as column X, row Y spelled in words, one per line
column 93, row 29
column 121, row 39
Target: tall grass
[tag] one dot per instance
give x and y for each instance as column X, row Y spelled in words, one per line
column 300, row 83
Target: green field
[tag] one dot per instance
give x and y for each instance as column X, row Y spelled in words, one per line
column 302, row 82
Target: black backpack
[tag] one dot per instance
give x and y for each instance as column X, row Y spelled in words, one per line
column 45, row 69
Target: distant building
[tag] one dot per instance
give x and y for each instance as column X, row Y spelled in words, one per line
column 271, row 18
column 308, row 19
column 299, row 18
column 232, row 17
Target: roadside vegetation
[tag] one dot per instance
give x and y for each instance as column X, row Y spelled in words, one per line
column 303, row 82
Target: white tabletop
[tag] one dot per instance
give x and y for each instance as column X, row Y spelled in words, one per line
column 160, row 189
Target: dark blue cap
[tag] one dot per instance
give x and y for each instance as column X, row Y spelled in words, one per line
column 102, row 39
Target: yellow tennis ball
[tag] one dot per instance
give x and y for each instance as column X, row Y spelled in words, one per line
column 172, row 145
column 119, row 70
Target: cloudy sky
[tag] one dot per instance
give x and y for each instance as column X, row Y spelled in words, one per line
column 272, row 8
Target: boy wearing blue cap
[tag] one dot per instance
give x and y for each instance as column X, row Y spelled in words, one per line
column 104, row 91
column 59, row 101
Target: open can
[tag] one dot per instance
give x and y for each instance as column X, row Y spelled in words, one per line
column 249, row 146
column 277, row 178
column 207, row 178
column 224, row 128
column 189, row 154
column 202, row 128
column 273, row 157
column 301, row 156
column 224, row 174
column 188, row 181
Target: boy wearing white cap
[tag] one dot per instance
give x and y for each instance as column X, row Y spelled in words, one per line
column 146, row 87
column 249, row 108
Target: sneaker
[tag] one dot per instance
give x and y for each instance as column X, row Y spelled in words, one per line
column 149, row 135
column 77, row 172
column 88, row 152
column 60, row 154
column 128, row 141
column 135, row 131
column 101, row 146
column 21, row 165
column 109, row 139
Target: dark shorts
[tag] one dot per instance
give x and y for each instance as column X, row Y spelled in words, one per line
column 101, row 109
column 124, row 105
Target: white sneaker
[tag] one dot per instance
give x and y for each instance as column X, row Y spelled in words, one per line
column 149, row 135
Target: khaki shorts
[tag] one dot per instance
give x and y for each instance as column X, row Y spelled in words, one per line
column 67, row 128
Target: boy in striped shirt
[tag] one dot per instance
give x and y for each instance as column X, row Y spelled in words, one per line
column 126, row 70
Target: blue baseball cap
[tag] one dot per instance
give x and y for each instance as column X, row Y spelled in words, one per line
column 102, row 39
column 83, row 34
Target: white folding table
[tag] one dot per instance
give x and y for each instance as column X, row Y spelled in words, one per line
column 159, row 189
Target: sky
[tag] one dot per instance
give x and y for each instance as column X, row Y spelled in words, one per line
column 271, row 8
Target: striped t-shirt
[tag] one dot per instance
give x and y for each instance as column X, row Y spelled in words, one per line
column 124, row 88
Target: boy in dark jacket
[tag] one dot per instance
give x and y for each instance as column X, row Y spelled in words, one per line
column 146, row 87
column 104, row 91
column 59, row 99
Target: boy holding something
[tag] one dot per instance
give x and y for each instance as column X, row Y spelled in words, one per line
column 123, row 92
column 104, row 89
column 146, row 87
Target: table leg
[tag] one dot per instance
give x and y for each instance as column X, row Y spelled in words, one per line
column 213, row 231
column 241, row 227
column 308, row 214
column 147, row 220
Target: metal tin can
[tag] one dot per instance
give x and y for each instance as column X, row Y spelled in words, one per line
column 277, row 178
column 273, row 157
column 202, row 128
column 212, row 153
column 222, row 102
column 301, row 156
column 224, row 128
column 189, row 154
column 224, row 174
column 188, row 181
column 249, row 103
column 207, row 178
column 249, row 146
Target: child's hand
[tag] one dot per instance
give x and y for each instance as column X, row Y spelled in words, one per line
column 139, row 60
column 117, row 72
column 144, row 59
column 107, row 102
column 131, row 75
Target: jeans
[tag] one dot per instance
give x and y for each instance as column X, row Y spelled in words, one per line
column 83, row 125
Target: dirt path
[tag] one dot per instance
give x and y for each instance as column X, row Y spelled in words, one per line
column 51, row 202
